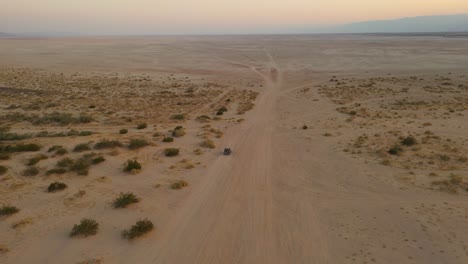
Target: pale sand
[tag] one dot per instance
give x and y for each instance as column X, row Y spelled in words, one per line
column 286, row 194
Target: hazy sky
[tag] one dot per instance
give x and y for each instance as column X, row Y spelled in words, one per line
column 204, row 16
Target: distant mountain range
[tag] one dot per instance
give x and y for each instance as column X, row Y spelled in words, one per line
column 422, row 24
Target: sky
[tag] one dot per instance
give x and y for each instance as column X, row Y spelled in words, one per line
column 135, row 17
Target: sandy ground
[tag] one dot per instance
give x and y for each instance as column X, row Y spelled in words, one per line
column 310, row 180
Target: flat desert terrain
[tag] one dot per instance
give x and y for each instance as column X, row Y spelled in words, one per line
column 345, row 149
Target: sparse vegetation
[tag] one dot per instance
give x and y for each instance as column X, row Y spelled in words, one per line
column 4, row 156
column 137, row 143
column 178, row 117
column 179, row 184
column 142, row 126
column 208, row 143
column 395, row 150
column 171, row 152
column 87, row 227
column 31, row 171
column 168, row 139
column 123, row 131
column 56, row 171
column 132, row 166
column 106, row 144
column 65, row 162
column 81, row 166
column 20, row 148
column 409, row 141
column 36, row 159
column 3, row 169
column 8, row 210
column 140, row 228
column 81, row 147
column 56, row 186
column 98, row 160
column 179, row 131
column 125, row 199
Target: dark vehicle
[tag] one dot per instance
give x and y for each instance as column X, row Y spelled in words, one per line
column 227, row 151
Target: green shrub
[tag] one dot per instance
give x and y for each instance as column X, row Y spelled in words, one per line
column 106, row 144
column 81, row 147
column 4, row 156
column 56, row 186
column 140, row 228
column 142, row 126
column 137, row 143
column 123, row 131
column 125, row 199
column 132, row 166
column 20, row 148
column 409, row 141
column 65, row 163
column 395, row 150
column 36, row 159
column 31, row 171
column 179, row 184
column 168, row 139
column 222, row 109
column 87, row 227
column 3, row 169
column 178, row 117
column 171, row 152
column 81, row 166
column 8, row 210
column 56, row 171
column 98, row 160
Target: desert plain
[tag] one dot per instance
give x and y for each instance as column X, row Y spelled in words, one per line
column 345, row 149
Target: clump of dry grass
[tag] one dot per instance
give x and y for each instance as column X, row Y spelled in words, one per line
column 208, row 143
column 179, row 184
column 171, row 152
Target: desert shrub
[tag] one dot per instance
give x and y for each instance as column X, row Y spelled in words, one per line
column 123, row 131
column 54, row 148
column 85, row 119
column 81, row 147
column 3, row 169
column 14, row 136
column 203, row 118
column 222, row 109
column 171, row 152
column 98, row 160
column 179, row 184
column 218, row 113
column 395, row 150
column 56, row 186
column 132, row 165
column 179, row 131
column 106, row 144
column 409, row 141
column 178, row 117
column 81, row 166
column 31, row 171
column 20, row 148
column 65, row 163
column 8, row 210
column 168, row 139
column 455, row 179
column 208, row 143
column 125, row 199
column 140, row 228
column 305, row 127
column 87, row 227
column 56, row 171
column 36, row 159
column 4, row 156
column 137, row 143
column 142, row 126
column 444, row 157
